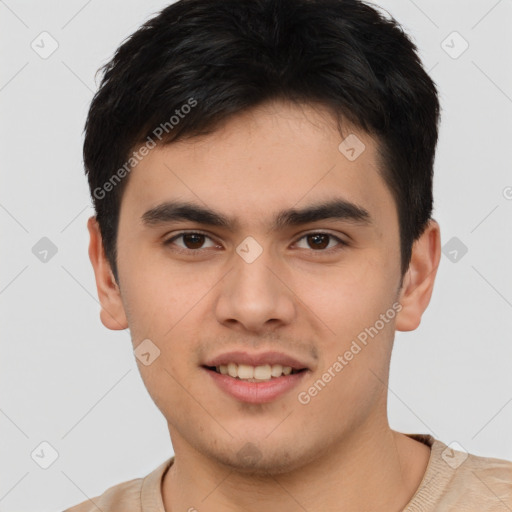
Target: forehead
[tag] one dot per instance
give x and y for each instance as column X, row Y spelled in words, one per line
column 260, row 163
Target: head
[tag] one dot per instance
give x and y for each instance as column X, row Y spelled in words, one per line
column 309, row 126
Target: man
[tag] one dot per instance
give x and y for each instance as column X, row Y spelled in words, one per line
column 261, row 172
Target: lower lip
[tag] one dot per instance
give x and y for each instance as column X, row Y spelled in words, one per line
column 256, row 392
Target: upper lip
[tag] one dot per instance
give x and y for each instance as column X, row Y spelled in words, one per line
column 262, row 358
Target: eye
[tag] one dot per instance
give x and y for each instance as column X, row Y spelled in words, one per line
column 319, row 242
column 192, row 241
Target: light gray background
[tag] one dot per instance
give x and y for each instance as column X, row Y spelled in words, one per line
column 70, row 382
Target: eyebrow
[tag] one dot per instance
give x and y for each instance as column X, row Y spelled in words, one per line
column 336, row 209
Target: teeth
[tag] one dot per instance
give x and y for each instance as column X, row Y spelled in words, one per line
column 232, row 370
column 261, row 372
column 254, row 373
column 245, row 371
column 276, row 370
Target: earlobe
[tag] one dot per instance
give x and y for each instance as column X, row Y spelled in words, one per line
column 112, row 313
column 419, row 279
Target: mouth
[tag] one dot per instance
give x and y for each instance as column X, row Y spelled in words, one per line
column 255, row 384
column 248, row 373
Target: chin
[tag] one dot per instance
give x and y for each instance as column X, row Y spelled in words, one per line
column 261, row 461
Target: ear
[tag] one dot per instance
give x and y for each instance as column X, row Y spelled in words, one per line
column 112, row 313
column 419, row 279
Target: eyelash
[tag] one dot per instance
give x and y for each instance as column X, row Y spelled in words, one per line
column 197, row 252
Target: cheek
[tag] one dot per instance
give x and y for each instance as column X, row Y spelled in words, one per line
column 348, row 296
column 354, row 336
column 158, row 294
column 162, row 384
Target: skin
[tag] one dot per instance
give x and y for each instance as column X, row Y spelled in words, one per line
column 338, row 451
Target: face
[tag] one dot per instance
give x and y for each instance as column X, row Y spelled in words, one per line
column 255, row 266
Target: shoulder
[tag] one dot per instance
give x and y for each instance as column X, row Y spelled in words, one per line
column 123, row 497
column 130, row 496
column 476, row 482
column 458, row 481
column 488, row 481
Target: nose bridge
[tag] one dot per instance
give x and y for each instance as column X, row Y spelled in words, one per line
column 252, row 294
column 252, row 278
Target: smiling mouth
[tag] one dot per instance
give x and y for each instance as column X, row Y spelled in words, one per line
column 249, row 373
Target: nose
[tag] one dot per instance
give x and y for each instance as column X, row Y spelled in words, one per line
column 255, row 296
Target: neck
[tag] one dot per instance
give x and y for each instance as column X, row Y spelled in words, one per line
column 368, row 470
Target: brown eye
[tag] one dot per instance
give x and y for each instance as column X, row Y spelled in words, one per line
column 190, row 241
column 319, row 242
column 193, row 240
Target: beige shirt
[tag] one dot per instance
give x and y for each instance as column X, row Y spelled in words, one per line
column 453, row 482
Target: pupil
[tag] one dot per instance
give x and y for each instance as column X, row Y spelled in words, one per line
column 316, row 239
column 197, row 240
